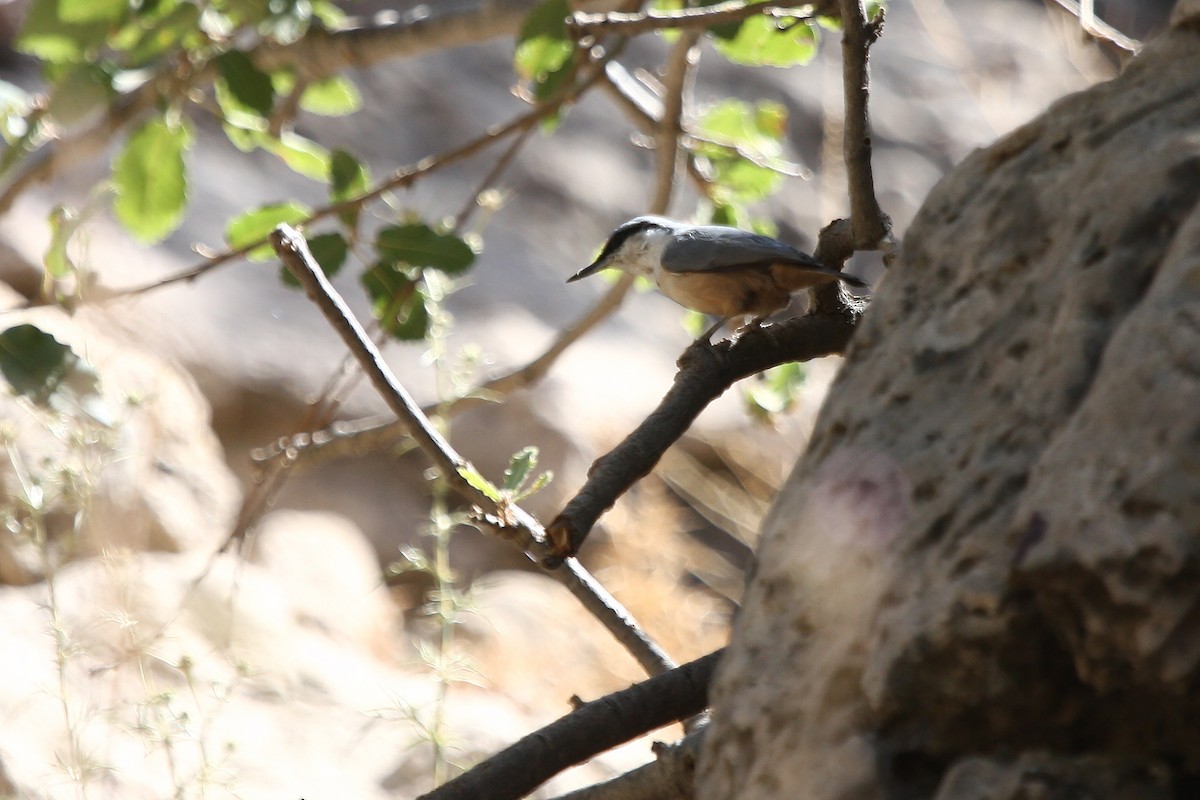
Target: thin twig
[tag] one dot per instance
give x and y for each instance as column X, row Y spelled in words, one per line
column 587, row 731
column 871, row 226
column 582, row 23
column 505, row 518
column 705, row 372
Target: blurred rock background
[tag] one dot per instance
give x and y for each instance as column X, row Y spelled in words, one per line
column 295, row 671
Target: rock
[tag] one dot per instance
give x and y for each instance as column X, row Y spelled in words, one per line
column 992, row 542
column 132, row 465
column 176, row 674
column 1046, row 777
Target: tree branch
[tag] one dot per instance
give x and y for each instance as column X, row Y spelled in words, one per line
column 587, row 731
column 705, row 372
column 507, row 519
column 670, row 776
column 582, row 24
column 871, row 226
column 388, row 35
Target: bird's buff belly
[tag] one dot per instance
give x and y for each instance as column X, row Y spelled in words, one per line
column 723, row 294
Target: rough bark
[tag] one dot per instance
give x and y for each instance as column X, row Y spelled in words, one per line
column 987, row 566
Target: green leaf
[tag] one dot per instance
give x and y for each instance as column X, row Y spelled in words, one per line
column 745, row 148
column 248, row 86
column 79, row 92
column 412, row 323
column 63, row 224
column 397, row 301
column 144, row 39
column 41, row 368
column 48, row 35
column 519, row 467
column 302, row 155
column 332, row 97
column 347, row 176
column 477, row 481
column 762, row 41
column 92, row 10
column 543, row 45
column 774, row 391
column 418, row 245
column 257, row 223
column 150, row 179
column 330, row 251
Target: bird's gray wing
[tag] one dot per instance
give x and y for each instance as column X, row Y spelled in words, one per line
column 717, row 249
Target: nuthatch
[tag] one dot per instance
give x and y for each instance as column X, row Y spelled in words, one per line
column 717, row 270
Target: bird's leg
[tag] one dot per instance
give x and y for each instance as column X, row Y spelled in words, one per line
column 750, row 324
column 707, row 335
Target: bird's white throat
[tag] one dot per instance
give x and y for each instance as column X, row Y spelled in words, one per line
column 641, row 254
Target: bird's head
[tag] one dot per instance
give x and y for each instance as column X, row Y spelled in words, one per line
column 634, row 247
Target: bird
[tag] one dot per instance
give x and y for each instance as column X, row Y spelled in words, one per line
column 717, row 270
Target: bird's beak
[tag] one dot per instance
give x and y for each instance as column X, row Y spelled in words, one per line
column 590, row 269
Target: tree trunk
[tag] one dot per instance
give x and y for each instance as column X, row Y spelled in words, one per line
column 983, row 579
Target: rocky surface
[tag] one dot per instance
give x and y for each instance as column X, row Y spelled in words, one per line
column 991, row 544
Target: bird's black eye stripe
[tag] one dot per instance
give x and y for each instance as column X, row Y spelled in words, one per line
column 616, row 240
column 620, row 235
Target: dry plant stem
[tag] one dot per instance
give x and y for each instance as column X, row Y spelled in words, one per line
column 508, row 519
column 705, row 372
column 871, row 227
column 587, row 731
column 695, row 18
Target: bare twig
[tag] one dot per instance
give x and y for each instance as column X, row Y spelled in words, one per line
column 693, row 18
column 587, row 731
column 871, row 226
column 506, row 518
column 705, row 372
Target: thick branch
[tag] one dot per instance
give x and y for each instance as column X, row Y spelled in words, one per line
column 705, row 372
column 587, row 731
